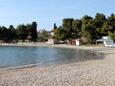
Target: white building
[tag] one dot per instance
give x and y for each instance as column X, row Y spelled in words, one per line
column 51, row 41
column 77, row 42
column 107, row 41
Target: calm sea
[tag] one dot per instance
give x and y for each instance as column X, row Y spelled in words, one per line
column 23, row 56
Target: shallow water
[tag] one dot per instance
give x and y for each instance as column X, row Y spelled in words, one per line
column 21, row 56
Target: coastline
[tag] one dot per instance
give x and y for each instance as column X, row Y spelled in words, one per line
column 36, row 44
column 40, row 45
column 87, row 73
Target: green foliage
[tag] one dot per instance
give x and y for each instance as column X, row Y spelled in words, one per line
column 76, row 28
column 87, row 27
column 5, row 33
column 70, row 29
column 22, row 32
column 112, row 35
column 33, row 31
column 67, row 26
column 87, row 32
column 12, row 33
column 99, row 20
column 43, row 37
column 104, row 29
column 87, row 19
column 111, row 22
column 60, row 34
column 55, row 26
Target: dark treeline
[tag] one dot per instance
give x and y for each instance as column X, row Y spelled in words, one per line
column 21, row 32
column 87, row 27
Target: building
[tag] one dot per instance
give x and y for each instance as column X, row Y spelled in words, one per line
column 106, row 41
column 76, row 42
column 52, row 41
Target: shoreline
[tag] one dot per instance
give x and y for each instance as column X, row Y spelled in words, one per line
column 90, row 48
column 37, row 44
column 86, row 73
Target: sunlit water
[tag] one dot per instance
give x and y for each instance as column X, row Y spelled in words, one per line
column 23, row 56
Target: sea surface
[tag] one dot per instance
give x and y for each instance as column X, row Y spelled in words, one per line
column 39, row 56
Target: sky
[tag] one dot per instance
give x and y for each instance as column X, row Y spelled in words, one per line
column 48, row 12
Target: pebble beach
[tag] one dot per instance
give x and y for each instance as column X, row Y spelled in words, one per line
column 100, row 72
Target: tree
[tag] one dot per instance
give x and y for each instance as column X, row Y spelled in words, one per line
column 33, row 31
column 43, row 36
column 1, row 33
column 112, row 35
column 55, row 26
column 104, row 29
column 22, row 32
column 86, row 19
column 60, row 34
column 87, row 32
column 76, row 28
column 87, row 29
column 99, row 24
column 111, row 22
column 12, row 33
column 67, row 26
column 5, row 33
column 99, row 19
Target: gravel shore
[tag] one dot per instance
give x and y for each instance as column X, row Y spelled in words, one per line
column 87, row 73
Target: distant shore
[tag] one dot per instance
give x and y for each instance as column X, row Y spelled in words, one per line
column 38, row 44
column 87, row 73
